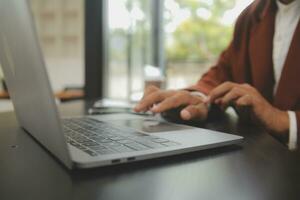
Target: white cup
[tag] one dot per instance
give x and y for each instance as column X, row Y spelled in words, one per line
column 153, row 76
column 155, row 81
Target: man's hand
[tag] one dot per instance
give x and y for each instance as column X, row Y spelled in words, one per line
column 244, row 95
column 158, row 101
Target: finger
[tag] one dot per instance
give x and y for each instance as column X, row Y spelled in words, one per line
column 220, row 91
column 245, row 100
column 231, row 96
column 182, row 98
column 195, row 112
column 150, row 89
column 150, row 100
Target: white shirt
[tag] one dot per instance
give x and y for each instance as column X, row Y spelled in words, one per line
column 286, row 22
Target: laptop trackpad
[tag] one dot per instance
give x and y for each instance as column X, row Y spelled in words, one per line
column 150, row 125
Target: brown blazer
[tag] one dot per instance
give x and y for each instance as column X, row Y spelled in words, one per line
column 248, row 59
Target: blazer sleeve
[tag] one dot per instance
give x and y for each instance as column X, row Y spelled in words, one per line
column 219, row 73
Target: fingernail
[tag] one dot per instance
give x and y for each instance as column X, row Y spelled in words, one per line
column 137, row 107
column 207, row 99
column 186, row 115
column 154, row 108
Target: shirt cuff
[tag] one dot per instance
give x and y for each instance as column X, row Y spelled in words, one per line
column 199, row 94
column 292, row 143
column 202, row 95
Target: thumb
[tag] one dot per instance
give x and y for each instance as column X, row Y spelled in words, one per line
column 195, row 112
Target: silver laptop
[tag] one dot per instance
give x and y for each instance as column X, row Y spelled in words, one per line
column 86, row 141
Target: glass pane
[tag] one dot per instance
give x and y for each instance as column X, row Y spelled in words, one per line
column 1, row 78
column 60, row 25
column 196, row 33
column 129, row 46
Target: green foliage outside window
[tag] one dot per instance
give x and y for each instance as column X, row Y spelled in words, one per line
column 198, row 38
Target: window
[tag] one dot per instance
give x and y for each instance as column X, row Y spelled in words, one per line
column 60, row 26
column 196, row 32
column 129, row 42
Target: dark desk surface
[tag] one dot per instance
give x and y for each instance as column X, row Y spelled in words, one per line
column 260, row 168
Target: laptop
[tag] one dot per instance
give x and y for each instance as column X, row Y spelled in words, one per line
column 83, row 141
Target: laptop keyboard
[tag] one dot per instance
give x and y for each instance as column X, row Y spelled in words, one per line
column 100, row 138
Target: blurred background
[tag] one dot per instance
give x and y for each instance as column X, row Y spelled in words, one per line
column 181, row 38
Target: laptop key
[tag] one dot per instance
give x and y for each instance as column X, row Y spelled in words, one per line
column 85, row 132
column 122, row 148
column 97, row 138
column 151, row 144
column 81, row 147
column 72, row 134
column 105, row 151
column 111, row 144
column 159, row 140
column 125, row 141
column 137, row 146
column 75, row 128
column 116, row 138
column 73, row 143
column 90, row 143
column 68, row 139
column 108, row 135
column 170, row 144
column 105, row 140
column 81, row 140
column 95, row 148
column 90, row 152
